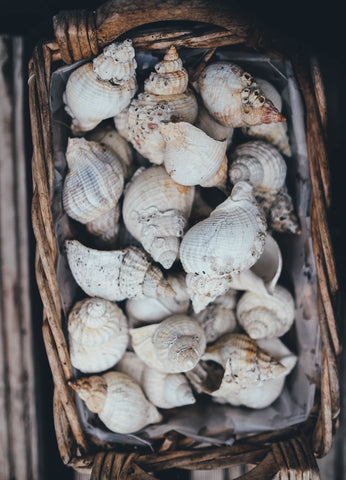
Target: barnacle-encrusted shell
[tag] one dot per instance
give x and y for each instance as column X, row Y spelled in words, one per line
column 94, row 182
column 98, row 334
column 229, row 241
column 274, row 133
column 155, row 211
column 279, row 210
column 151, row 310
column 211, row 127
column 117, row 274
column 102, row 88
column 233, row 98
column 259, row 163
column 175, row 345
column 106, row 226
column 266, row 316
column 191, row 157
column 118, row 400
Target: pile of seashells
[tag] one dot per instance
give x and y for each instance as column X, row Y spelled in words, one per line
column 202, row 311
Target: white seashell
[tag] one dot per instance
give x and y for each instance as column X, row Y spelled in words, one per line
column 150, row 310
column 118, row 400
column 98, row 335
column 102, row 88
column 94, row 182
column 175, row 345
column 183, row 105
column 216, row 249
column 211, row 127
column 155, row 212
column 233, row 98
column 279, row 210
column 106, row 226
column 115, row 275
column 121, row 122
column 258, row 163
column 266, row 316
column 191, row 157
column 131, row 365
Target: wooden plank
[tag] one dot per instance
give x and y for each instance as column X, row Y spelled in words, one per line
column 18, row 429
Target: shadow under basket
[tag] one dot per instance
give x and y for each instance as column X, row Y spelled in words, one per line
column 205, row 30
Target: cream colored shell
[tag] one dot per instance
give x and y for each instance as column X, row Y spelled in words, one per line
column 131, row 365
column 155, row 212
column 211, row 127
column 98, row 335
column 116, row 274
column 102, row 88
column 173, row 346
column 106, row 226
column 94, row 181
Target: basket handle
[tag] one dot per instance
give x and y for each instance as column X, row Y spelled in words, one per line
column 80, row 34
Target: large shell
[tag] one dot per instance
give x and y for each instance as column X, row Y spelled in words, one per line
column 211, row 127
column 233, row 98
column 117, row 274
column 155, row 212
column 118, row 400
column 98, row 335
column 266, row 316
column 259, row 163
column 94, row 182
column 150, row 310
column 191, row 157
column 102, row 88
column 279, row 210
column 229, row 241
column 274, row 133
column 173, row 346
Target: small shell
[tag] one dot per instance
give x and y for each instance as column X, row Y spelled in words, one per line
column 259, row 163
column 211, row 127
column 102, row 88
column 233, row 98
column 98, row 335
column 229, row 241
column 106, row 226
column 175, row 345
column 150, row 310
column 94, row 182
column 266, row 316
column 118, row 400
column 117, row 274
column 191, row 157
column 155, row 212
column 279, row 210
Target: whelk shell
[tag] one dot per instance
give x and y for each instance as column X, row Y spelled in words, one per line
column 98, row 334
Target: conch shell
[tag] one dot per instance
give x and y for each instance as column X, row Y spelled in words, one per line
column 233, row 97
column 94, row 182
column 266, row 316
column 102, row 88
column 98, row 335
column 173, row 346
column 118, row 400
column 155, row 212
column 191, row 157
column 229, row 241
column 117, row 274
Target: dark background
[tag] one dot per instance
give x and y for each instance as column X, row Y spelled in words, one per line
column 317, row 27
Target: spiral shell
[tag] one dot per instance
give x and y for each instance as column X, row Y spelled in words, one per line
column 259, row 163
column 229, row 241
column 155, row 212
column 102, row 88
column 98, row 334
column 173, row 346
column 94, row 182
column 118, row 400
column 117, row 274
column 279, row 210
column 233, row 98
column 191, row 157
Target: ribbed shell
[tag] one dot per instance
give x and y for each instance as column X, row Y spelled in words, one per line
column 106, row 226
column 211, row 127
column 229, row 241
column 155, row 212
column 94, row 181
column 173, row 346
column 117, row 274
column 98, row 335
column 191, row 157
column 233, row 98
column 266, row 316
column 91, row 97
column 259, row 163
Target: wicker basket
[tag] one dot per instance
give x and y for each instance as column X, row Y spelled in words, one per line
column 80, row 35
